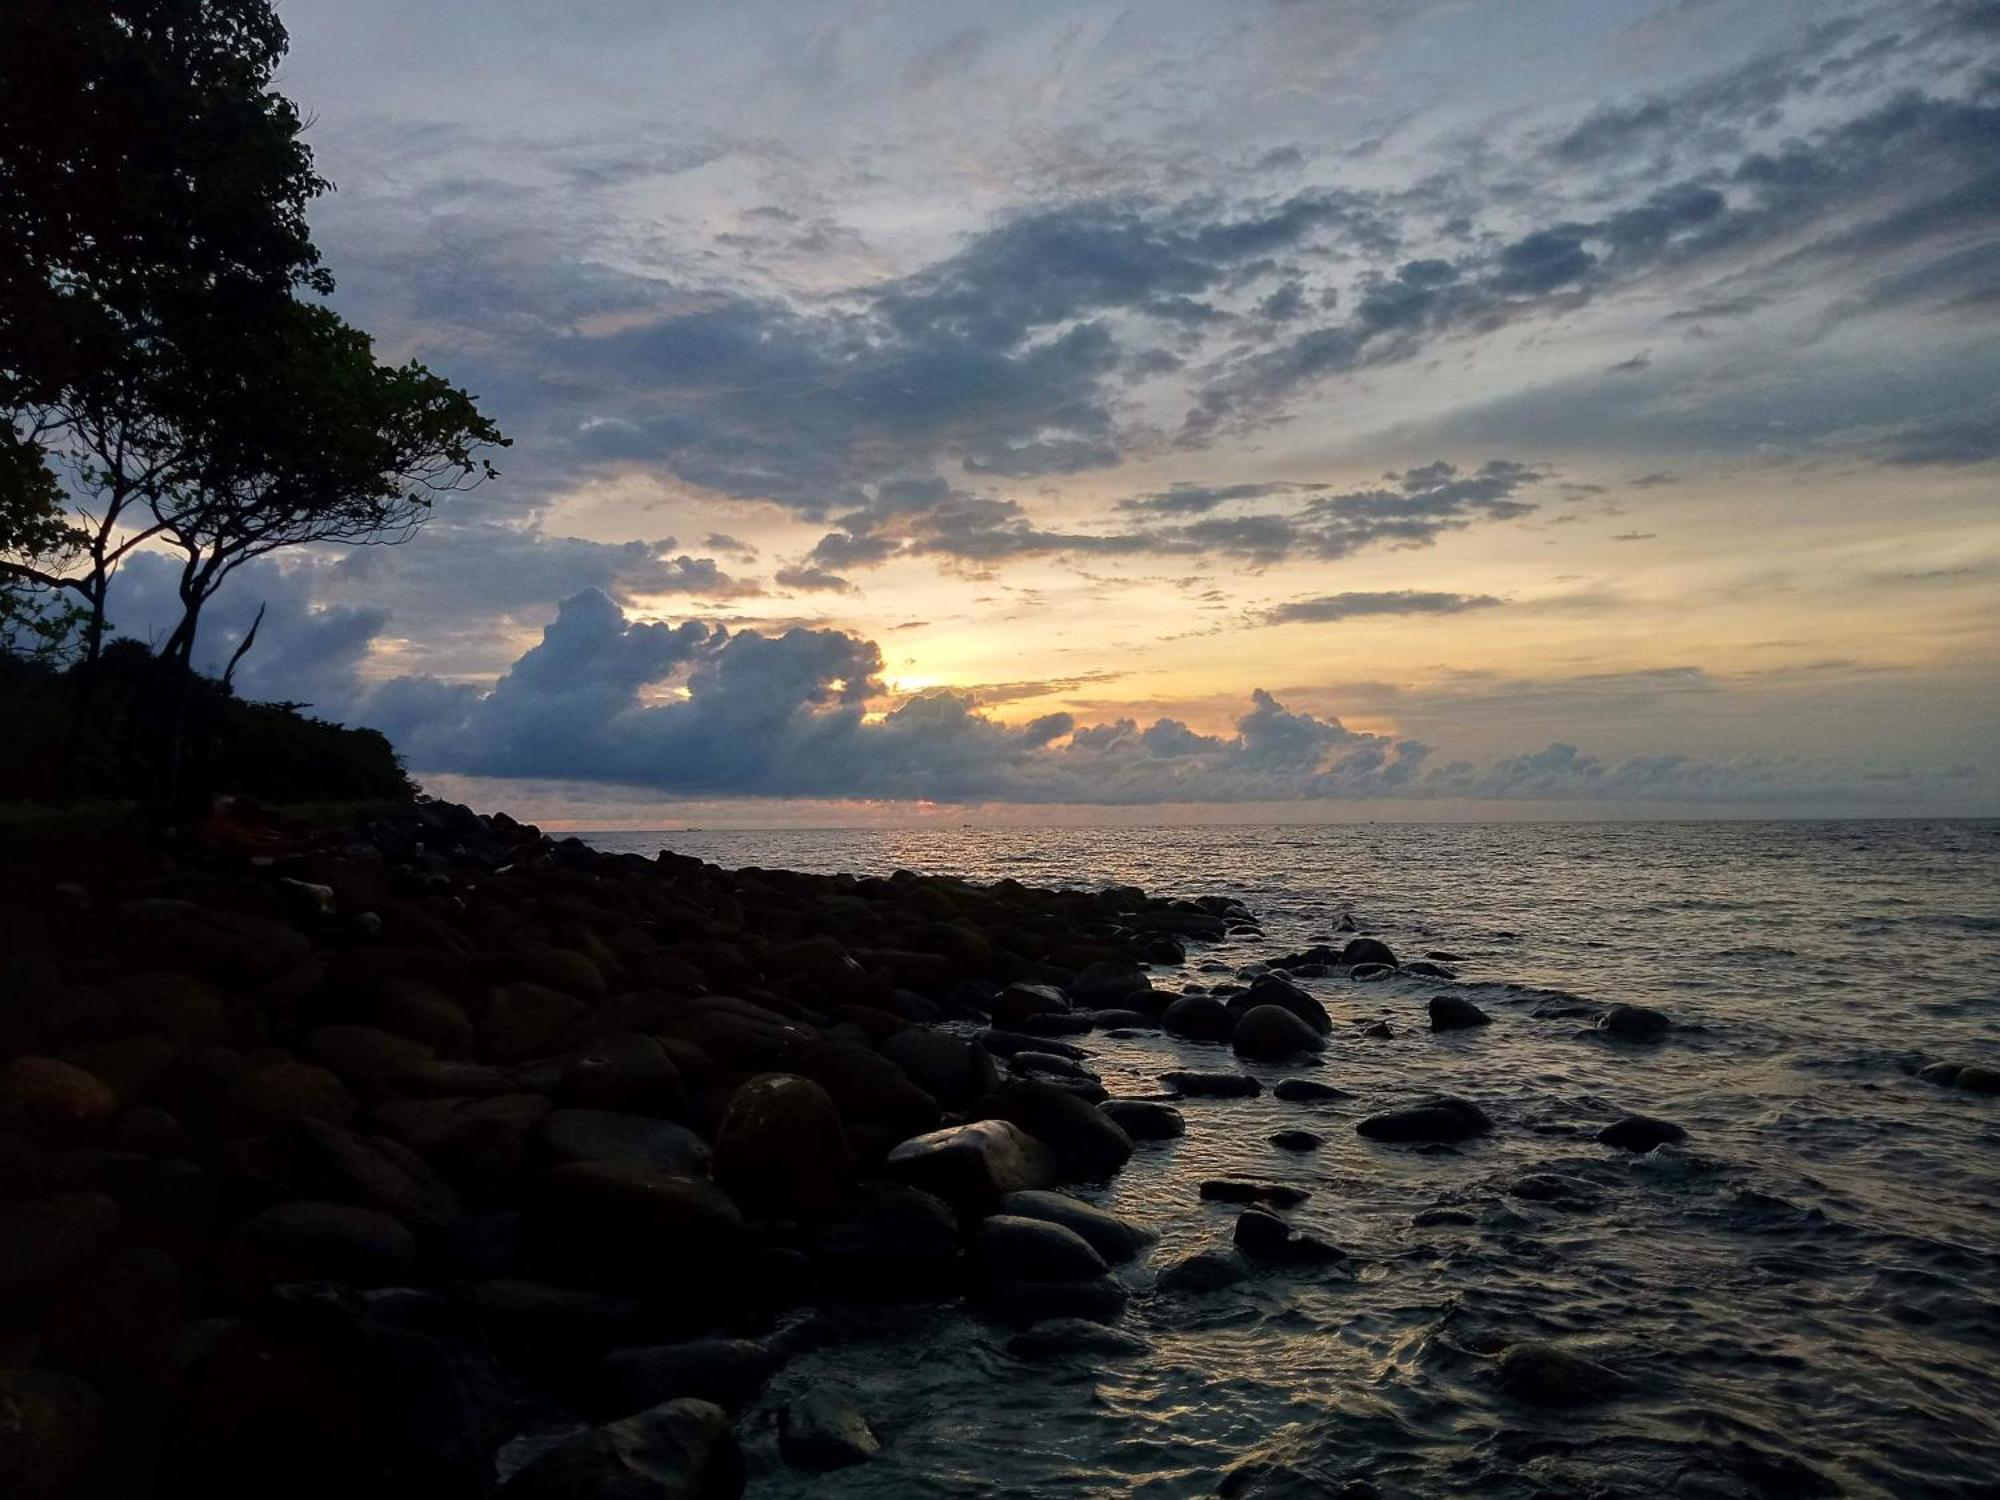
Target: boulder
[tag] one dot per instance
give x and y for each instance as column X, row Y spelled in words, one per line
column 867, row 1087
column 567, row 1135
column 1057, row 1023
column 680, row 1450
column 48, row 1434
column 178, row 1007
column 1296, row 1140
column 1236, row 1190
column 623, row 1071
column 1549, row 1375
column 780, row 1149
column 952, row 1070
column 1634, row 1023
column 1100, row 1299
column 1365, row 950
column 1640, row 1133
column 1275, row 989
column 889, row 1239
column 278, row 1094
column 1146, row 1119
column 1306, row 1091
column 366, row 1055
column 819, row 1432
column 728, row 1372
column 1086, row 1143
column 1007, row 1043
column 1113, row 1238
column 48, row 1240
column 1018, row 1002
column 1108, row 982
column 1264, row 1236
column 1212, row 1085
column 1442, row 1119
column 373, row 1172
column 1207, row 1270
column 617, row 1224
column 1053, row 1338
column 54, row 1101
column 975, row 1163
column 1979, row 1079
column 1456, row 1013
column 318, row 1241
column 1048, row 1065
column 1270, row 1033
column 521, row 1021
column 1199, row 1018
column 1008, row 1247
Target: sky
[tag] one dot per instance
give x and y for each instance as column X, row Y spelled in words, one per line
column 1287, row 409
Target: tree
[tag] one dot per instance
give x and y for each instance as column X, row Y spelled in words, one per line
column 36, row 621
column 152, row 187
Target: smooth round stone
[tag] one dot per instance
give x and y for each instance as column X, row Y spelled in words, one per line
column 1440, row 1120
column 1640, row 1133
column 1213, row 1085
column 1113, row 1238
column 1053, row 1338
column 1296, row 1140
column 1456, row 1013
column 1146, row 1119
column 1012, row 1247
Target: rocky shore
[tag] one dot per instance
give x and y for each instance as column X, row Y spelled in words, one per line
column 441, row 1155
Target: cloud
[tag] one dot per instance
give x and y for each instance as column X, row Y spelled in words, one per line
column 809, row 578
column 1350, row 606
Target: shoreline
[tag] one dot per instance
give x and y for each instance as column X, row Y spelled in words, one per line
column 485, row 1134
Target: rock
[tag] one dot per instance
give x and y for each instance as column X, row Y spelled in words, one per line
column 1432, row 1218
column 1087, row 1144
column 366, row 1054
column 819, row 1432
column 1443, row 1119
column 728, row 1372
column 1113, row 1238
column 373, row 1172
column 1634, row 1023
column 617, row 1224
column 1369, row 973
column 886, row 1238
column 1236, row 1190
column 1640, row 1133
column 521, row 1021
column 1363, row 951
column 1052, row 1338
column 949, row 1068
column 1428, row 970
column 1007, row 1043
column 1048, row 1065
column 1064, row 1023
column 48, row 1240
column 975, row 1163
column 1108, row 982
column 483, row 1141
column 1199, row 1018
column 283, row 1093
column 52, row 1100
column 681, row 1450
column 1944, row 1074
column 780, row 1148
column 1100, row 1299
column 1270, row 1033
column 1123, row 1020
column 867, row 1087
column 1207, row 1270
column 1018, row 1002
column 1306, row 1091
column 1275, row 989
column 1009, row 1247
column 1213, row 1085
column 150, row 1132
column 1548, row 1375
column 1378, row 1031
column 1456, row 1013
column 625, row 1072
column 177, row 1007
column 1265, row 1236
column 312, row 1241
column 48, row 1434
column 1978, row 1079
column 121, row 1320
column 567, row 1135
column 1296, row 1140
column 1145, row 1119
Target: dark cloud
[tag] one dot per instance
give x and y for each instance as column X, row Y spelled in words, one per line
column 811, row 579
column 1350, row 606
column 1972, row 439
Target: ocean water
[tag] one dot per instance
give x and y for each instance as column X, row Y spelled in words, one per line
column 1805, row 1296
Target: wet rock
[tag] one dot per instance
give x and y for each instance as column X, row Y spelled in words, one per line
column 884, row 1237
column 1213, row 1085
column 1378, row 1031
column 1270, row 1033
column 1634, row 1023
column 52, row 1100
column 1265, row 1236
column 1944, row 1074
column 1048, row 1065
column 867, row 1087
column 624, row 1072
column 1108, row 982
column 1296, row 1140
column 1443, row 1119
column 1306, row 1091
column 1067, row 1023
column 48, row 1434
column 1054, row 1338
column 1199, row 1018
column 1549, row 1375
column 949, row 1068
column 819, row 1432
column 1087, row 1144
column 1123, row 1020
column 1428, row 970
column 1237, row 1190
column 483, row 1140
column 1145, row 1119
column 366, row 1055
column 178, row 1007
column 1099, row 1299
column 536, row 1317
column 1436, row 1218
column 1557, row 1189
column 728, row 1372
column 567, row 1135
column 1275, row 989
column 313, row 1241
column 1979, row 1080
column 1007, row 1043
column 1011, row 1247
column 616, row 1224
column 1019, row 1002
column 1209, row 1270
column 681, row 1450
column 1640, row 1133
column 150, row 1132
column 974, row 1163
column 1456, row 1013
column 779, row 1148
column 1113, row 1238
column 1364, row 951
column 121, row 1320
column 1369, row 973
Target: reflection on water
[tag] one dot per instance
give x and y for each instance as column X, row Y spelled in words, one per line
column 1803, row 1295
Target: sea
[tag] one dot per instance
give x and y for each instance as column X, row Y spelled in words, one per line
column 1803, row 1298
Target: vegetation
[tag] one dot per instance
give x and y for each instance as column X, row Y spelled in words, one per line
column 167, row 378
